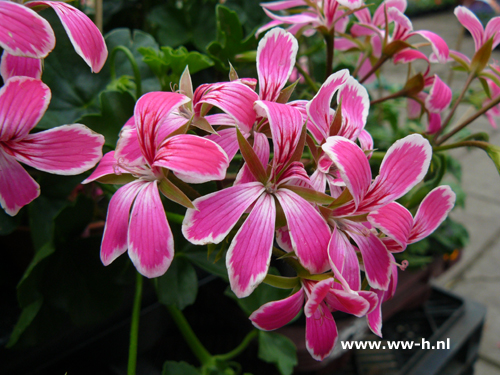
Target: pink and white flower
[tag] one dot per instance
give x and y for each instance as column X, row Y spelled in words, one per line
column 149, row 149
column 64, row 150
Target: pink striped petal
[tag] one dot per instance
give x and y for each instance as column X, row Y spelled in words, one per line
column 193, row 159
column 282, row 5
column 352, row 164
column 150, row 240
column 23, row 101
column 286, row 126
column 338, row 248
column 301, row 19
column 371, row 298
column 227, row 140
column 375, row 316
column 283, row 239
column 471, row 23
column 434, row 124
column 23, row 32
column 439, row 97
column 65, row 150
column 405, row 164
column 439, row 46
column 84, row 35
column 321, row 333
column 276, row 314
column 432, row 211
column 379, row 15
column 295, row 174
column 318, row 292
column 414, row 109
column 493, row 30
column 394, row 220
column 114, row 240
column 249, row 255
column 355, row 107
column 150, row 112
column 365, row 141
column 220, row 119
column 318, row 108
column 351, row 272
column 12, row 66
column 234, row 98
column 376, row 258
column 17, row 187
column 128, row 149
column 262, row 150
column 276, row 55
column 351, row 4
column 348, row 302
column 107, row 166
column 217, row 213
column 318, row 181
column 309, row 232
column 409, row 55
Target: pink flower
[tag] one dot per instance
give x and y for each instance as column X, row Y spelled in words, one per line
column 216, row 214
column 475, row 27
column 147, row 151
column 24, row 33
column 65, row 150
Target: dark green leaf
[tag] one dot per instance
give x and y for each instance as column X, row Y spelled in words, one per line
column 198, row 256
column 8, row 223
column 27, row 315
column 179, row 368
column 179, row 285
column 278, row 349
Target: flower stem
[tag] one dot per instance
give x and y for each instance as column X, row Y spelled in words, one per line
column 307, row 77
column 133, row 63
column 241, row 347
column 375, row 67
column 194, row 343
column 134, row 326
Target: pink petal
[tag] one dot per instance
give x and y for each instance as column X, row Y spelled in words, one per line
column 355, row 107
column 84, row 35
column 276, row 314
column 376, row 258
column 249, row 255
column 150, row 112
column 375, row 316
column 365, row 141
column 262, row 150
column 128, row 149
column 434, row 124
column 439, row 46
column 217, row 213
column 414, row 109
column 228, row 140
column 351, row 4
column 23, row 101
column 65, row 150
column 283, row 239
column 409, row 55
column 351, row 271
column 352, row 164
column 114, row 240
column 286, row 126
column 348, row 302
column 318, row 293
column 301, row 19
column 432, row 212
column 371, row 298
column 471, row 23
column 107, row 166
column 309, row 232
column 338, row 248
column 194, row 159
column 275, row 60
column 439, row 97
column 393, row 220
column 17, row 187
column 379, row 15
column 321, row 333
column 282, row 5
column 318, row 108
column 405, row 165
column 12, row 66
column 234, row 98
column 344, row 44
column 318, row 181
column 493, row 30
column 150, row 240
column 23, row 32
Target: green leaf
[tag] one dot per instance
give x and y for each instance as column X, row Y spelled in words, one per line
column 310, row 195
column 454, row 167
column 278, row 349
column 494, row 154
column 179, row 368
column 115, row 110
column 179, row 285
column 481, row 57
column 251, row 159
column 175, row 194
column 27, row 315
column 8, row 223
column 200, row 259
column 229, row 40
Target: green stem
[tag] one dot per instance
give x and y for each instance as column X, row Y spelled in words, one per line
column 307, row 77
column 194, row 343
column 135, row 68
column 375, row 67
column 388, row 97
column 467, row 121
column 175, row 218
column 378, row 155
column 479, row 144
column 134, row 326
column 241, row 347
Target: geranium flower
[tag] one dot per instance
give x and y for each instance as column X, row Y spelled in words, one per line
column 24, row 33
column 148, row 149
column 475, row 27
column 216, row 214
column 64, row 150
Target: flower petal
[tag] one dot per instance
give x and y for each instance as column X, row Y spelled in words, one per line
column 439, row 46
column 355, row 107
column 318, row 292
column 394, row 220
column 472, row 24
column 84, row 35
column 150, row 240
column 193, row 159
column 128, row 149
column 309, row 232
column 17, row 187
column 107, row 167
column 375, row 316
column 276, row 55
column 12, row 66
column 348, row 302
column 321, row 333
column 439, row 97
column 23, row 101
column 492, row 30
column 217, row 213
column 249, row 255
column 114, row 239
column 276, row 314
column 228, row 140
column 65, row 150
column 318, row 108
column 432, row 211
column 352, row 164
column 282, row 5
column 23, row 32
